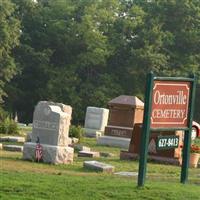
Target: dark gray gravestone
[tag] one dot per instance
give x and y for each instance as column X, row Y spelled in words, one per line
column 51, row 124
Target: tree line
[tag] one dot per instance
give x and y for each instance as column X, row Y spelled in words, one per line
column 86, row 52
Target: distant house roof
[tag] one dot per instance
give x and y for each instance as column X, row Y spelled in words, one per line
column 125, row 100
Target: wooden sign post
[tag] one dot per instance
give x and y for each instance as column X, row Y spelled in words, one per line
column 169, row 105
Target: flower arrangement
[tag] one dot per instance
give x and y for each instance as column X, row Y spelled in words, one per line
column 194, row 149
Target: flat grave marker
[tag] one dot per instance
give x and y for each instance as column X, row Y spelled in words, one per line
column 99, row 166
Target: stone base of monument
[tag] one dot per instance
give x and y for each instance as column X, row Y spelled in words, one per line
column 93, row 132
column 125, row 155
column 50, row 154
column 98, row 166
column 114, row 141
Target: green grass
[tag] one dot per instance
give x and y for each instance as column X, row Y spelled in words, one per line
column 29, row 180
column 24, row 185
column 21, row 179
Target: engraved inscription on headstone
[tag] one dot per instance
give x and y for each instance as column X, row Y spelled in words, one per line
column 45, row 125
column 118, row 132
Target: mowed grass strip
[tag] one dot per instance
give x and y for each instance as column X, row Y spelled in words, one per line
column 12, row 161
column 31, row 186
column 21, row 179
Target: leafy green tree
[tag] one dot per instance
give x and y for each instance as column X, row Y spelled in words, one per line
column 87, row 52
column 9, row 35
column 181, row 20
column 63, row 50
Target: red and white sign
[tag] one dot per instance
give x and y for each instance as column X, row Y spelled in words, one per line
column 170, row 104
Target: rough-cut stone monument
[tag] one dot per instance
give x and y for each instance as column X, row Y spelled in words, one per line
column 170, row 156
column 124, row 112
column 51, row 123
column 95, row 121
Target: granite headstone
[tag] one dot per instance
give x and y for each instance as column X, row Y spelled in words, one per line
column 124, row 112
column 170, row 156
column 95, row 121
column 51, row 123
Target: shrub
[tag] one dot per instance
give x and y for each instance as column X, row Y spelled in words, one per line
column 76, row 131
column 8, row 126
column 3, row 114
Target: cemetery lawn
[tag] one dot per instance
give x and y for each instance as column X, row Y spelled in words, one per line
column 29, row 180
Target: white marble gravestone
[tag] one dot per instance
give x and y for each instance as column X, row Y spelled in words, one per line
column 51, row 123
column 95, row 121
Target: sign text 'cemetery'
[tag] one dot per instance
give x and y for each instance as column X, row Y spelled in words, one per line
column 170, row 104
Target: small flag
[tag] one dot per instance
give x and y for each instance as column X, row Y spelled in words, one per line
column 38, row 152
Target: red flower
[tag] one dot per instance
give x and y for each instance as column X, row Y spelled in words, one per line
column 194, row 149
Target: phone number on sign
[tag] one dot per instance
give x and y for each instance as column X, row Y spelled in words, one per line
column 168, row 142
